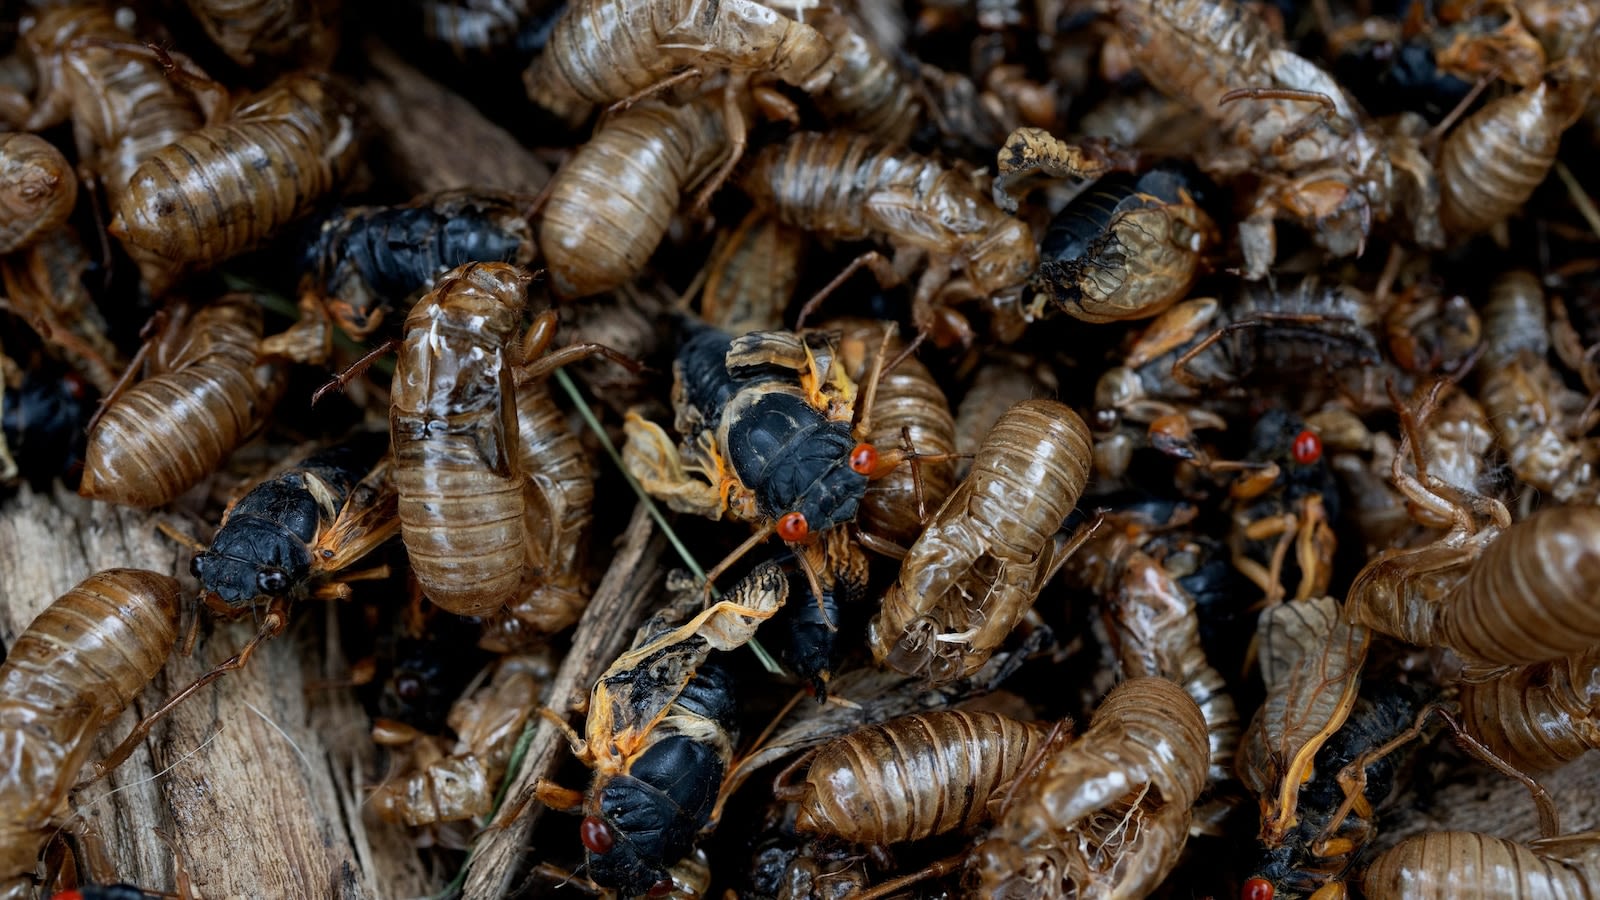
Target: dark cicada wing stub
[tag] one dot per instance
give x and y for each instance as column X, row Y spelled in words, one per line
column 809, row 630
column 702, row 371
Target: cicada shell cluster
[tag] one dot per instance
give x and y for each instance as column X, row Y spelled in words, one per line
column 936, row 448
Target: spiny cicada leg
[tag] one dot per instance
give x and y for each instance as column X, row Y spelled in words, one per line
column 882, row 269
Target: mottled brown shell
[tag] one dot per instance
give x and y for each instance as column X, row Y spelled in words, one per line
column 462, row 784
column 1531, row 596
column 752, row 275
column 1530, row 406
column 226, row 188
column 1461, row 865
column 166, row 433
column 69, row 674
column 1491, row 162
column 1106, row 815
column 37, row 189
column 982, row 560
column 602, row 51
column 870, row 93
column 1537, row 717
column 453, row 422
column 123, row 107
column 560, row 508
column 853, row 187
column 916, row 776
column 612, row 202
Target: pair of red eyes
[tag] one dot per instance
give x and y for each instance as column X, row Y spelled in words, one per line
column 1307, row 447
column 794, row 528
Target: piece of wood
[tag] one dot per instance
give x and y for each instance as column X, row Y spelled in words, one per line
column 1476, row 799
column 433, row 139
column 238, row 776
column 620, row 602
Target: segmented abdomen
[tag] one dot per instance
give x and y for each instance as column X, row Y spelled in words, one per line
column 462, row 525
column 452, row 421
column 73, row 670
column 225, row 188
column 1028, row 476
column 822, row 182
column 1538, row 717
column 602, row 51
column 1464, row 865
column 916, row 776
column 560, row 506
column 613, row 201
column 910, row 404
column 1492, row 162
column 166, row 433
column 1530, row 596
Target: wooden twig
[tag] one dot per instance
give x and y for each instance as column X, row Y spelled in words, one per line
column 432, row 139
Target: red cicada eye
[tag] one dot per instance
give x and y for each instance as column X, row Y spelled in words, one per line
column 1257, row 888
column 792, row 527
column 596, row 836
column 661, row 888
column 864, row 459
column 1307, row 447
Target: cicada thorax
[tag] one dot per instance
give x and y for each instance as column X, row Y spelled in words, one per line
column 265, row 545
column 774, row 404
column 792, row 457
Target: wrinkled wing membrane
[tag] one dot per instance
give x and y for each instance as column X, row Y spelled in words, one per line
column 369, row 517
column 1311, row 665
column 635, row 693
